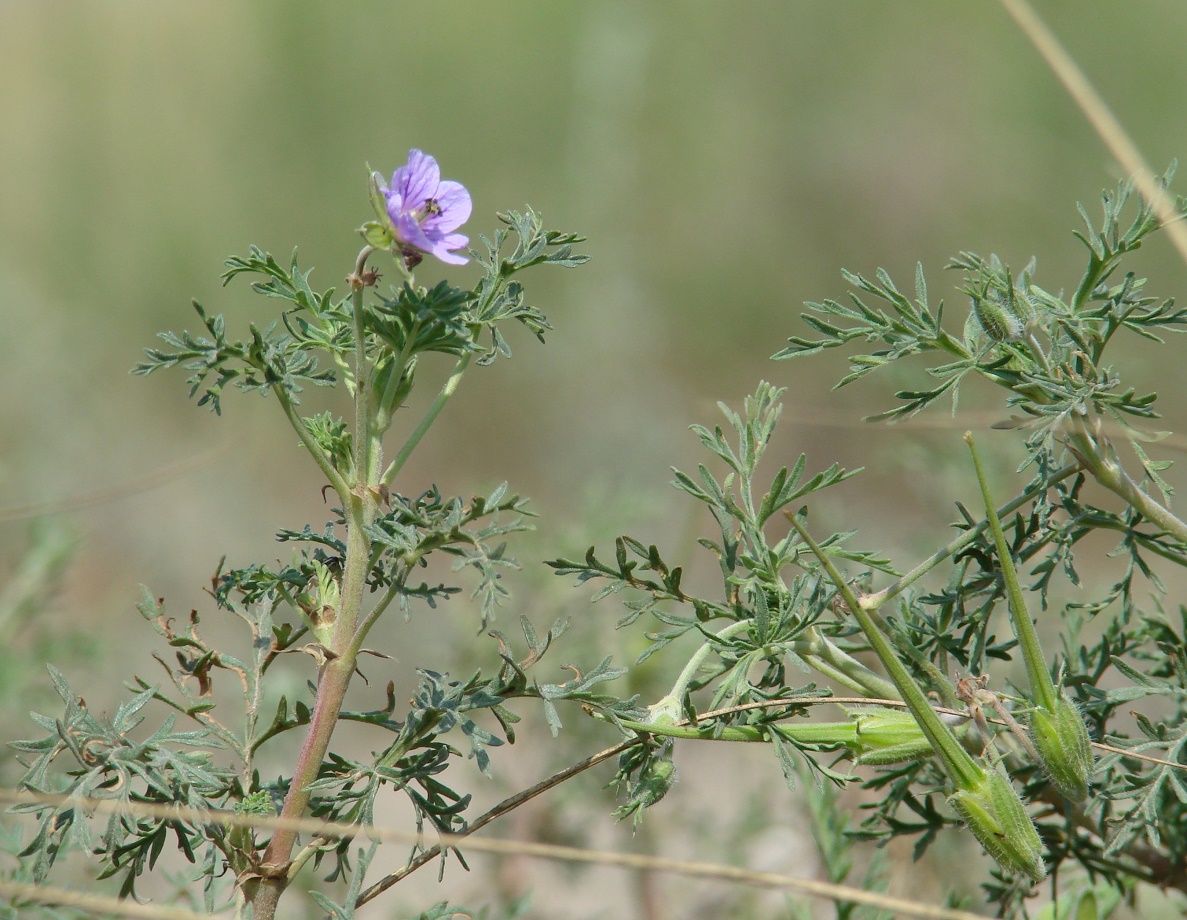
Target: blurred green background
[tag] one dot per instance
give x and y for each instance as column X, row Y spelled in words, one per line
column 725, row 161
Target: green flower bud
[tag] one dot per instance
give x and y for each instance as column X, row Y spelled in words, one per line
column 240, row 839
column 1061, row 738
column 996, row 816
column 319, row 602
column 1024, row 309
column 656, row 778
column 654, row 782
column 999, row 317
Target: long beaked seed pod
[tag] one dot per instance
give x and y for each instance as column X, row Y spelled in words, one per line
column 1061, row 738
column 1058, row 730
column 984, row 798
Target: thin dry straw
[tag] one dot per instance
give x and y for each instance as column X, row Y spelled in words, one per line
column 64, row 897
column 700, row 870
column 1103, row 121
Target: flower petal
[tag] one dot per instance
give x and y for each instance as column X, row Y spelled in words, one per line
column 444, row 250
column 395, row 206
column 420, row 179
column 408, row 230
column 454, row 202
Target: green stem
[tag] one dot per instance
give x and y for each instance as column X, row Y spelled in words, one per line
column 334, row 675
column 834, row 663
column 434, row 410
column 879, row 599
column 961, row 767
column 672, row 703
column 386, row 411
column 319, row 456
column 817, row 650
column 1101, row 461
column 1041, row 684
column 806, row 733
column 374, row 614
column 362, row 381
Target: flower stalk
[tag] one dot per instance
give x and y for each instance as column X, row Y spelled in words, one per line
column 871, row 734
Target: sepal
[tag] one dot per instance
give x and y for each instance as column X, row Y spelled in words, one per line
column 1061, row 738
column 375, row 191
column 377, row 234
column 998, row 819
column 887, row 736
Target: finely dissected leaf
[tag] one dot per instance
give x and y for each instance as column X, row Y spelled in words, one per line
column 497, row 298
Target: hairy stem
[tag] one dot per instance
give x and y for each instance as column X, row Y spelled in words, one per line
column 434, row 410
column 835, row 663
column 319, row 456
column 358, row 504
column 1099, row 458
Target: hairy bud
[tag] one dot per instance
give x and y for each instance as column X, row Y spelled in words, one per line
column 999, row 317
column 655, row 779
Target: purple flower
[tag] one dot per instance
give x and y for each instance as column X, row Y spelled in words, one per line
column 424, row 210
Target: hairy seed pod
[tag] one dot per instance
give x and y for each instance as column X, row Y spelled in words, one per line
column 1061, row 738
column 998, row 819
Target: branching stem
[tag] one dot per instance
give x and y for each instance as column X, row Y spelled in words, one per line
column 334, row 675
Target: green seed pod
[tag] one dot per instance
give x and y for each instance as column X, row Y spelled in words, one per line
column 1061, row 738
column 998, row 819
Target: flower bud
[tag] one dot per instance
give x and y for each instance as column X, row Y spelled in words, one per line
column 319, row 602
column 657, row 778
column 1061, row 738
column 999, row 316
column 996, row 816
